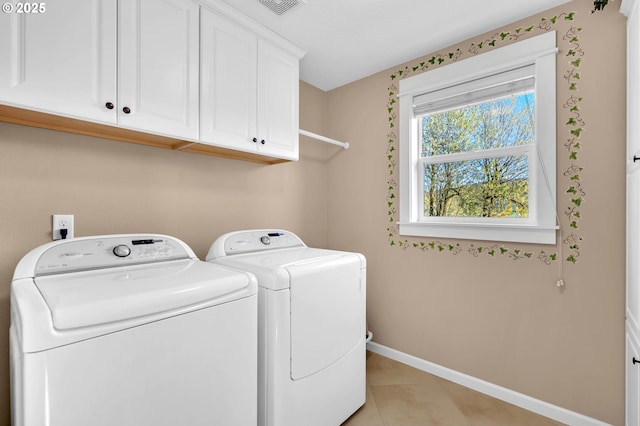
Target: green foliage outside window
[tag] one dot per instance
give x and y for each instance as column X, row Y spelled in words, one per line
column 490, row 185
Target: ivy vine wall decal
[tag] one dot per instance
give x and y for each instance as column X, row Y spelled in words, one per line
column 573, row 196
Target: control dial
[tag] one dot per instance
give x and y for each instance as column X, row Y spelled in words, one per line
column 122, row 250
column 265, row 240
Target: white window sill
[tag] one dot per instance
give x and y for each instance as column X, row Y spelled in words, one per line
column 535, row 234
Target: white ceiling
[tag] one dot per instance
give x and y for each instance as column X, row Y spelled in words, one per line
column 346, row 40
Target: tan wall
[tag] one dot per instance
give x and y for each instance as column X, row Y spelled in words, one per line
column 116, row 187
column 498, row 319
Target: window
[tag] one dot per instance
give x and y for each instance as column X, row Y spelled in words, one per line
column 477, row 147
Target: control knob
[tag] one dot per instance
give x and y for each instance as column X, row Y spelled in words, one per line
column 265, row 240
column 122, row 250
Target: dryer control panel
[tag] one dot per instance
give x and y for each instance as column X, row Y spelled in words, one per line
column 253, row 241
column 92, row 253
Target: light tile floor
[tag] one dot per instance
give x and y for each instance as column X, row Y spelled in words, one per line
column 399, row 395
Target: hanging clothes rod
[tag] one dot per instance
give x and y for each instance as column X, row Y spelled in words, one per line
column 345, row 145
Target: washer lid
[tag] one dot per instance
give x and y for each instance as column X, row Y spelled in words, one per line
column 87, row 298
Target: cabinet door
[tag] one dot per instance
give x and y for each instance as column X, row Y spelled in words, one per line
column 633, row 218
column 278, row 97
column 158, row 66
column 633, row 379
column 61, row 60
column 228, row 83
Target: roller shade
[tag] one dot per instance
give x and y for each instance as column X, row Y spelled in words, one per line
column 516, row 81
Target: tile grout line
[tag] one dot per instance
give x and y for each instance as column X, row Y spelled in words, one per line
column 370, row 392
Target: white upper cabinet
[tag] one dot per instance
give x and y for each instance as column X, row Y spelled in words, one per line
column 249, row 90
column 194, row 75
column 228, row 83
column 278, row 99
column 62, row 60
column 66, row 61
column 158, row 66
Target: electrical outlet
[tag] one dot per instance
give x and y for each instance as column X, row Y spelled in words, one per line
column 62, row 221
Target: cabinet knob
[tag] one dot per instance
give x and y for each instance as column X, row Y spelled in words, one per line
column 255, row 140
column 263, row 141
column 126, row 110
column 109, row 105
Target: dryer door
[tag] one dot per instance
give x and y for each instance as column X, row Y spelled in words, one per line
column 327, row 312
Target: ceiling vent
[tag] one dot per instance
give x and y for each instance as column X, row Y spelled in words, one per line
column 280, row 7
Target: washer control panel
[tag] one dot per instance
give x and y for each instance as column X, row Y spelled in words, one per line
column 258, row 240
column 109, row 251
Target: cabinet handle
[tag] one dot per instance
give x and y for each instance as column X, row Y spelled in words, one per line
column 109, row 105
column 636, row 361
column 126, row 110
column 635, row 158
column 263, row 141
column 255, row 140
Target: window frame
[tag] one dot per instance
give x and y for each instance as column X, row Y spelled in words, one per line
column 465, row 76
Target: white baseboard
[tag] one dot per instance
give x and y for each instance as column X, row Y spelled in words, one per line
column 528, row 403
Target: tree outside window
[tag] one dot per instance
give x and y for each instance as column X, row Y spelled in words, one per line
column 491, row 181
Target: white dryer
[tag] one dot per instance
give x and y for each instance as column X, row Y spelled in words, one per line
column 311, row 326
column 131, row 330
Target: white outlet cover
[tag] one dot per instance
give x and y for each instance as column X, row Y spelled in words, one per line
column 62, row 221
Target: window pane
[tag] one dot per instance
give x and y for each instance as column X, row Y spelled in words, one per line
column 503, row 122
column 487, row 187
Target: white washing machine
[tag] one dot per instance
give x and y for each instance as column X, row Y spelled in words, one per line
column 131, row 330
column 311, row 326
